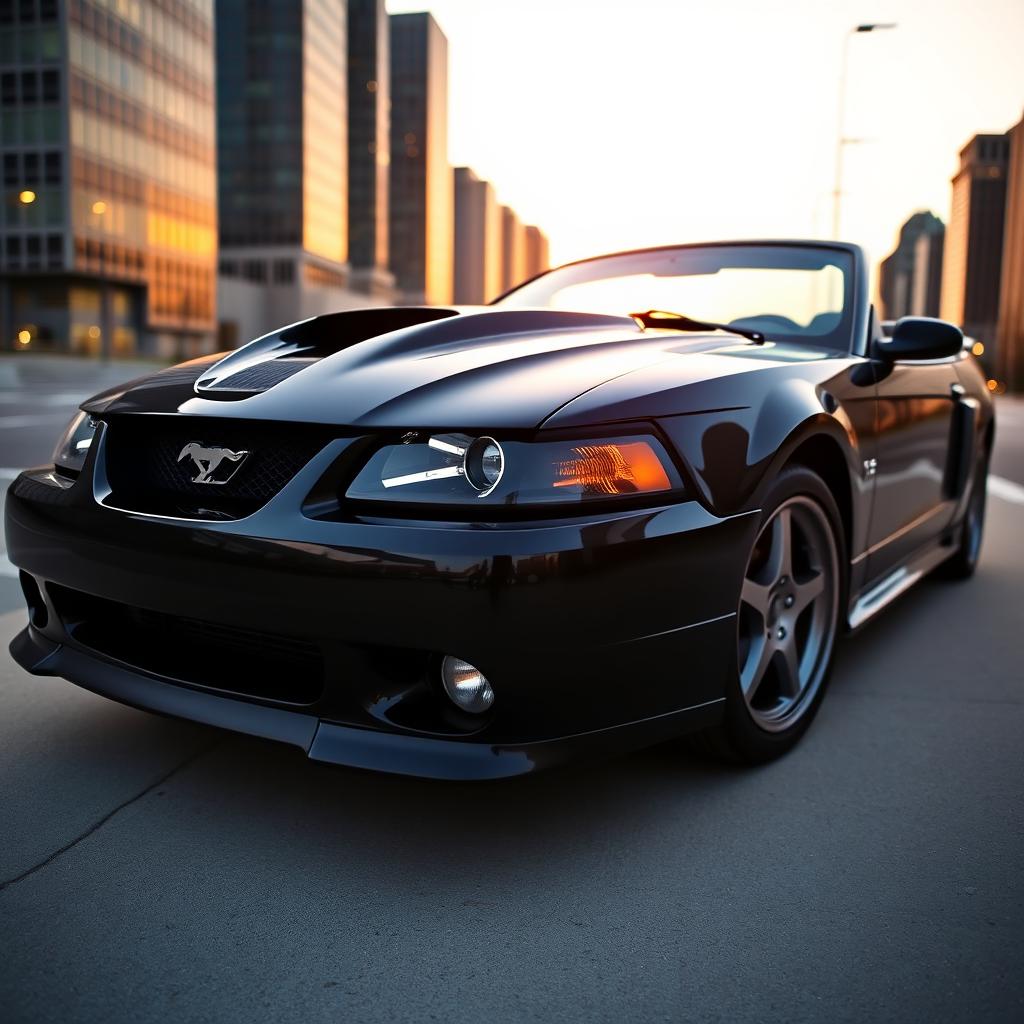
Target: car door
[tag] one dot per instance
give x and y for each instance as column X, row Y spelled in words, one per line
column 913, row 502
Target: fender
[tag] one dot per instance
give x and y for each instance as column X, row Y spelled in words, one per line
column 733, row 455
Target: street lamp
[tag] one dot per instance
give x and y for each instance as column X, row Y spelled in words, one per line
column 841, row 139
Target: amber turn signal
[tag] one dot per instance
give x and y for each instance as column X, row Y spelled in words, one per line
column 630, row 468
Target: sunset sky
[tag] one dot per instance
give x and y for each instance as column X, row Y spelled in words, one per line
column 622, row 124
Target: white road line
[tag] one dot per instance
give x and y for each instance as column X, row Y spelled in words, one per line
column 1006, row 489
column 10, row 422
column 8, row 474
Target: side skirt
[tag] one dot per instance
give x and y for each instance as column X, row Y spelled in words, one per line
column 898, row 582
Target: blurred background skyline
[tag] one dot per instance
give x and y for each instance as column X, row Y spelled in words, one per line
column 619, row 125
column 181, row 176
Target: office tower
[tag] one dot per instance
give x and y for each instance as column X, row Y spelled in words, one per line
column 478, row 242
column 926, row 285
column 513, row 249
column 1010, row 329
column 420, row 239
column 974, row 238
column 900, row 288
column 369, row 146
column 109, row 221
column 537, row 259
column 282, row 162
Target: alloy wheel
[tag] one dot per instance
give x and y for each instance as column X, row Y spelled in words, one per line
column 787, row 615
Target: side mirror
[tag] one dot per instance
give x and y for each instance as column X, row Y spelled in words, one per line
column 920, row 337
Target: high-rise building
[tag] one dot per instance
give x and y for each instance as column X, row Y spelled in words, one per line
column 282, row 163
column 905, row 288
column 369, row 146
column 537, row 258
column 974, row 239
column 478, row 242
column 926, row 285
column 513, row 249
column 420, row 240
column 109, row 221
column 1010, row 329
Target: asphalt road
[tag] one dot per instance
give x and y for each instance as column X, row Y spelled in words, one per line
column 152, row 870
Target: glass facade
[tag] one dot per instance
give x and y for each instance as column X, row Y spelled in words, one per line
column 281, row 113
column 368, row 126
column 421, row 190
column 108, row 124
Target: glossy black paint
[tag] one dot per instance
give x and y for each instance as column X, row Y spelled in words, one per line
column 602, row 628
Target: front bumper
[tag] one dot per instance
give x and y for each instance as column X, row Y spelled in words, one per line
column 599, row 632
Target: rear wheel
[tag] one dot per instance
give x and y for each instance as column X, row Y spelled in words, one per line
column 787, row 621
column 961, row 565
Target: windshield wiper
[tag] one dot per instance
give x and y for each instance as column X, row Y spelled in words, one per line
column 678, row 322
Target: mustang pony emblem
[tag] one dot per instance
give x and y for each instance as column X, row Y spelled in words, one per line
column 209, row 462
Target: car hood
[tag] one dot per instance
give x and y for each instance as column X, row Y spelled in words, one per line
column 475, row 368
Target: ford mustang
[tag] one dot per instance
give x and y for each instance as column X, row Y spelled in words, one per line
column 641, row 495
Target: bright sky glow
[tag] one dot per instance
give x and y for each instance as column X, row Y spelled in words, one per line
column 616, row 124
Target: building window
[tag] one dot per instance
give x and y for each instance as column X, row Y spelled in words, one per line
column 284, row 271
column 254, row 270
column 228, row 268
column 51, row 86
column 29, row 87
column 51, row 168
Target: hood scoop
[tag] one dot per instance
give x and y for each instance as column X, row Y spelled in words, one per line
column 275, row 357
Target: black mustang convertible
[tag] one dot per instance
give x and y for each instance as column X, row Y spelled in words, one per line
column 639, row 496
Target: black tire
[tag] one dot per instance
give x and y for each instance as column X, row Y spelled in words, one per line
column 961, row 565
column 748, row 733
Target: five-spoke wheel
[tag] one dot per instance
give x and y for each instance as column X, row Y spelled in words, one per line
column 787, row 614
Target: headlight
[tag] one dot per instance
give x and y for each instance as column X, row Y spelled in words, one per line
column 455, row 469
column 74, row 443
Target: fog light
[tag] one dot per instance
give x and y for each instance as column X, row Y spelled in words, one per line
column 466, row 686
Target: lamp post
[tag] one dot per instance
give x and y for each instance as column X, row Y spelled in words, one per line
column 841, row 139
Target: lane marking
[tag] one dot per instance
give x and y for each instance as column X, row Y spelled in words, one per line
column 1006, row 489
column 10, row 422
column 6, row 473
column 50, row 398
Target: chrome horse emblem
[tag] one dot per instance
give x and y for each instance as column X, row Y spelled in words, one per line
column 213, row 465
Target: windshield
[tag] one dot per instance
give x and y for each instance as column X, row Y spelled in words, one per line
column 790, row 293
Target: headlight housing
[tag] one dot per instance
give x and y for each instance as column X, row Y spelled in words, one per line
column 74, row 443
column 458, row 469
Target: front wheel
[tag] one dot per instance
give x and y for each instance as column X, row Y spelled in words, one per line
column 790, row 609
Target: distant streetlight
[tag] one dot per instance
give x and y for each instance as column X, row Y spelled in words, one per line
column 27, row 196
column 841, row 139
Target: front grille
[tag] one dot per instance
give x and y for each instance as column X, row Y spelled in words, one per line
column 148, row 472
column 250, row 663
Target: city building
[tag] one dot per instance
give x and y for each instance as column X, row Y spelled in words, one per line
column 369, row 147
column 926, row 286
column 109, row 222
column 973, row 253
column 1010, row 328
column 537, row 258
column 282, row 141
column 478, row 240
column 420, row 239
column 910, row 278
column 513, row 249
